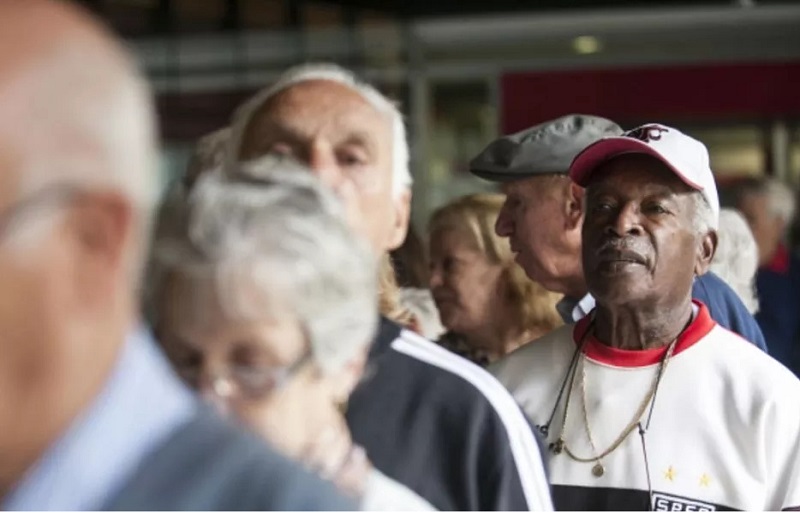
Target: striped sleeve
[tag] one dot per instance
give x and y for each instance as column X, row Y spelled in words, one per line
column 523, row 447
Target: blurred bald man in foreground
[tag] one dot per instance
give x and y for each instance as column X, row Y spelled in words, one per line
column 90, row 416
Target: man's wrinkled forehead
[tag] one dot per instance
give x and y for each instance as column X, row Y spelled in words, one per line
column 312, row 108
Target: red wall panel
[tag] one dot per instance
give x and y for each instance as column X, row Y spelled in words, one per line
column 678, row 93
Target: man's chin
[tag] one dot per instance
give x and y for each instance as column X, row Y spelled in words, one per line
column 537, row 274
column 622, row 291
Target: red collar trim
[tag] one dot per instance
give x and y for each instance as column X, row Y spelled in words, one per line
column 599, row 352
column 780, row 261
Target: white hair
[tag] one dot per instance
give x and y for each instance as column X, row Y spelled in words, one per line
column 281, row 235
column 87, row 126
column 736, row 258
column 781, row 199
column 401, row 174
column 705, row 220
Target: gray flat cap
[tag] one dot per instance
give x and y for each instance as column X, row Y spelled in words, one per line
column 542, row 149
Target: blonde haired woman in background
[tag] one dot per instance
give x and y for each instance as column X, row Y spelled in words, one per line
column 486, row 302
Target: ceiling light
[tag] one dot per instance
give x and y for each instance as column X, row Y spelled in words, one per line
column 585, row 45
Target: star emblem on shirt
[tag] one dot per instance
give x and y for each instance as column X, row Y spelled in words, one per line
column 705, row 480
column 669, row 474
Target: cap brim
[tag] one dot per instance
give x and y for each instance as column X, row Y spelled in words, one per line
column 502, row 176
column 587, row 162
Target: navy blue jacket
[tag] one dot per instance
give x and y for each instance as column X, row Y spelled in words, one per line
column 727, row 308
column 778, row 287
column 445, row 428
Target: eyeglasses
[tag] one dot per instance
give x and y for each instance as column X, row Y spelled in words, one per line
column 54, row 195
column 250, row 382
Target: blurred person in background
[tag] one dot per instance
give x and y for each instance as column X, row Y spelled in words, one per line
column 390, row 303
column 479, row 453
column 736, row 258
column 488, row 304
column 543, row 216
column 265, row 303
column 794, row 231
column 91, row 416
column 769, row 207
column 410, row 263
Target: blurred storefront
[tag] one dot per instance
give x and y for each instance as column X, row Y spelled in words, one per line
column 725, row 72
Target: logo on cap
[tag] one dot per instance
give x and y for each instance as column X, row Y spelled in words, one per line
column 647, row 133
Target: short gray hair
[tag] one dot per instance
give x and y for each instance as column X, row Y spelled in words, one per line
column 280, row 231
column 780, row 197
column 401, row 174
column 704, row 218
column 736, row 258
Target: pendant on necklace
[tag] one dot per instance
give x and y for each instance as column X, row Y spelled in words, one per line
column 558, row 446
column 598, row 470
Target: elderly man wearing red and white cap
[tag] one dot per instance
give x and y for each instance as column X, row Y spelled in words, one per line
column 647, row 403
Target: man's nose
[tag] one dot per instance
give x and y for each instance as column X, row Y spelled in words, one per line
column 323, row 163
column 504, row 226
column 626, row 222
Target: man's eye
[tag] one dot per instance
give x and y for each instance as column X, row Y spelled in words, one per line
column 656, row 209
column 281, row 150
column 601, row 207
column 352, row 159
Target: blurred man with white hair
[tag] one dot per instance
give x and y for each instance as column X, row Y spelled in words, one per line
column 769, row 207
column 91, row 416
column 429, row 419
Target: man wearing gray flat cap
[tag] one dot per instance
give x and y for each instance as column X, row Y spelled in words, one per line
column 543, row 216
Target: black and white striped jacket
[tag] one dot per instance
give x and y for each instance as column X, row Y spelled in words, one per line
column 445, row 428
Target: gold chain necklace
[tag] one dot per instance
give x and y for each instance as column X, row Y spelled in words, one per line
column 598, row 469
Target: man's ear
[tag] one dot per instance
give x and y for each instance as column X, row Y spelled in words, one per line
column 102, row 225
column 574, row 205
column 402, row 212
column 705, row 252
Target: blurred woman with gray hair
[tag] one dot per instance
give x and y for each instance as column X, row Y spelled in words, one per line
column 264, row 301
column 736, row 258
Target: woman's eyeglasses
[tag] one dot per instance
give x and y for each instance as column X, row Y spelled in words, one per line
column 251, row 382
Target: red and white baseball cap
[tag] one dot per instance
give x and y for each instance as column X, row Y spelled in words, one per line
column 685, row 156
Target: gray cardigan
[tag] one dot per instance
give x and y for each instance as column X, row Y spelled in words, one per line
column 208, row 464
